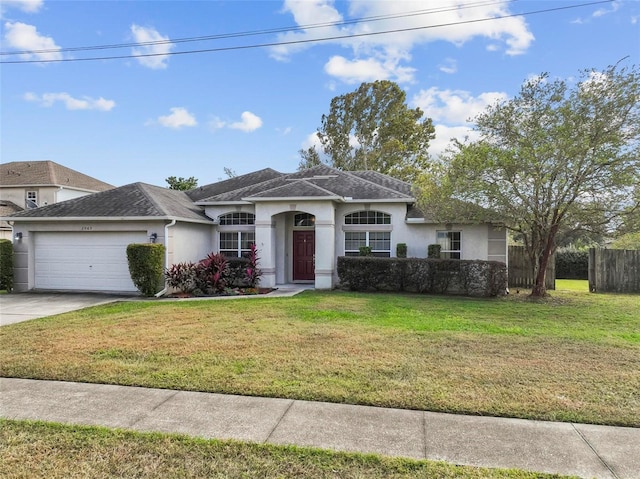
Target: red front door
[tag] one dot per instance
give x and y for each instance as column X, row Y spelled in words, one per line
column 304, row 249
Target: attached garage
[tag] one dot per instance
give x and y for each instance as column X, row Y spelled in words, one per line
column 89, row 261
column 81, row 244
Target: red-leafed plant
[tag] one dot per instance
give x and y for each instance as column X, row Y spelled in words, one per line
column 182, row 276
column 252, row 272
column 213, row 272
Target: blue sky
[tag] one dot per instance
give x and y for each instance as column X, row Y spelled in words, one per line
column 174, row 114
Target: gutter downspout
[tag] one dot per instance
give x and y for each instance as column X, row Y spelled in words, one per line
column 166, row 254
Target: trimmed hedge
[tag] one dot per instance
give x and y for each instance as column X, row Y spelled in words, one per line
column 146, row 266
column 6, row 264
column 572, row 264
column 420, row 275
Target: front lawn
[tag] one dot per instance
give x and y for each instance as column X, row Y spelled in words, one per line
column 33, row 449
column 573, row 357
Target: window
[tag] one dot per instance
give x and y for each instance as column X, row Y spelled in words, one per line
column 367, row 228
column 236, row 234
column 237, row 243
column 379, row 241
column 235, row 219
column 304, row 219
column 450, row 244
column 32, row 199
column 367, row 218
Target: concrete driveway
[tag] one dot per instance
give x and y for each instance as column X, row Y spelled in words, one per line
column 17, row 307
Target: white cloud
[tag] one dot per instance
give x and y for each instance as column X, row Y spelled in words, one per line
column 452, row 112
column 454, row 107
column 159, row 49
column 249, row 122
column 29, row 6
column 449, row 66
column 444, row 135
column 71, row 103
column 178, row 118
column 371, row 69
column 601, row 12
column 386, row 55
column 312, row 140
column 22, row 37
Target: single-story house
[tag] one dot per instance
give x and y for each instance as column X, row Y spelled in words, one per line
column 300, row 222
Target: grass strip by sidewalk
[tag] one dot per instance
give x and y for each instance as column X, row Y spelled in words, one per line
column 574, row 357
column 36, row 449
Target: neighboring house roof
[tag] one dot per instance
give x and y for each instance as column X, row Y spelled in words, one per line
column 47, row 173
column 137, row 200
column 7, row 208
column 320, row 182
column 235, row 183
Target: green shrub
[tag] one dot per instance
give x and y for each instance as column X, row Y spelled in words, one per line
column 365, row 251
column 423, row 275
column 433, row 251
column 6, row 264
column 401, row 250
column 146, row 264
column 572, row 264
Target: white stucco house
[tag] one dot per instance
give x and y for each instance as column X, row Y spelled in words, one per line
column 300, row 222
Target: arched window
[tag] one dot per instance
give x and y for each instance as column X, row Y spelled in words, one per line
column 237, row 233
column 367, row 218
column 304, row 219
column 237, row 219
column 367, row 228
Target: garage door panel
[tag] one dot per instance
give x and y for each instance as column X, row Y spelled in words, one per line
column 89, row 261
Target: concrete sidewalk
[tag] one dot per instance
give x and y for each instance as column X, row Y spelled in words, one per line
column 563, row 448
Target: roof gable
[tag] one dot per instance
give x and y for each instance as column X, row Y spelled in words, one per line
column 320, row 182
column 232, row 184
column 48, row 173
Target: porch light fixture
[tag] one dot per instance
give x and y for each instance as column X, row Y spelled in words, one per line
column 18, row 236
column 153, row 237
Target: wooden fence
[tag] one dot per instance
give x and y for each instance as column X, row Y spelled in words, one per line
column 521, row 271
column 614, row 270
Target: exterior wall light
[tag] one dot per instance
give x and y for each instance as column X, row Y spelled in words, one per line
column 153, row 237
column 18, row 236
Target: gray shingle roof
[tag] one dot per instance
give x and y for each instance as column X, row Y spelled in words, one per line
column 321, row 182
column 235, row 183
column 47, row 173
column 134, row 200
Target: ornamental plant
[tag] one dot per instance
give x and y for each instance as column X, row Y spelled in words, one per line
column 252, row 272
column 182, row 276
column 213, row 274
column 146, row 267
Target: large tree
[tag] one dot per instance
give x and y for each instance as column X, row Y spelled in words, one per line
column 372, row 128
column 181, row 183
column 559, row 157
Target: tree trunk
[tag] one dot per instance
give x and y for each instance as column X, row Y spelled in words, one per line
column 539, row 288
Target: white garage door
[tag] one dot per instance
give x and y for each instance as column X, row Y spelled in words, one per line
column 84, row 261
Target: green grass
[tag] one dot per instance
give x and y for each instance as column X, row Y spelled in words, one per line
column 36, row 449
column 572, row 357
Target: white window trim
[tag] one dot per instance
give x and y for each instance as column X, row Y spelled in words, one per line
column 367, row 240
column 442, row 250
column 28, row 201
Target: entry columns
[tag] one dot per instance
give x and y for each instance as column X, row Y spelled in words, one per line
column 266, row 244
column 325, row 253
